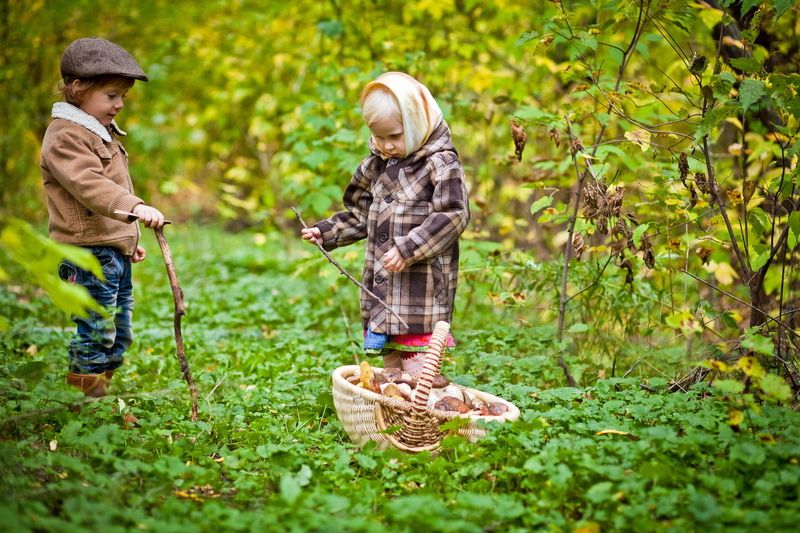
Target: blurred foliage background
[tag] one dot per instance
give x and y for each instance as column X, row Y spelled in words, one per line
column 652, row 209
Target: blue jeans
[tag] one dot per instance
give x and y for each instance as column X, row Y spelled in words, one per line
column 101, row 339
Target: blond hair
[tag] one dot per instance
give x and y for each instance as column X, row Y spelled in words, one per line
column 380, row 104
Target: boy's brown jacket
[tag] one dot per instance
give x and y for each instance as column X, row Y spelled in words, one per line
column 85, row 179
column 418, row 204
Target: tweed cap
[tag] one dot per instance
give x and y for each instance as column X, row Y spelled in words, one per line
column 92, row 56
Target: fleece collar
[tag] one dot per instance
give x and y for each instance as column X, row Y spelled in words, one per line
column 78, row 116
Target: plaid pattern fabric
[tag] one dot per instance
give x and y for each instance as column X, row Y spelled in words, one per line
column 418, row 204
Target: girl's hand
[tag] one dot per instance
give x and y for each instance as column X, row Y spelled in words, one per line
column 393, row 261
column 312, row 234
column 149, row 216
column 138, row 255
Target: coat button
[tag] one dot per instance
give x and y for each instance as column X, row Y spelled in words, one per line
column 383, row 237
column 389, row 198
column 378, row 279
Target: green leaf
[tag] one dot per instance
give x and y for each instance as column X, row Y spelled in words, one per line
column 759, row 219
column 721, row 84
column 541, row 203
column 794, row 226
column 578, row 327
column 638, row 232
column 729, row 386
column 782, row 6
column 746, row 64
column 747, row 5
column 750, row 92
column 714, row 117
column 748, row 453
column 759, row 344
column 776, row 387
column 527, row 37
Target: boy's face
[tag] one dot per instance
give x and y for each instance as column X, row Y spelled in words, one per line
column 389, row 136
column 105, row 101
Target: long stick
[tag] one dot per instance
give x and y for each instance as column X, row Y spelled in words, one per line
column 180, row 307
column 180, row 310
column 347, row 274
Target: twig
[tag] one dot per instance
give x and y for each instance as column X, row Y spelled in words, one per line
column 346, row 273
column 180, row 310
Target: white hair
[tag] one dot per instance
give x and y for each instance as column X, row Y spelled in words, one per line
column 380, row 104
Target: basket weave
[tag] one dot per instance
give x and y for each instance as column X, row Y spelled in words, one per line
column 413, row 427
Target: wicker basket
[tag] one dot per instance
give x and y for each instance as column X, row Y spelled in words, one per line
column 366, row 416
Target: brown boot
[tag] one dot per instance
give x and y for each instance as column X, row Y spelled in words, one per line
column 94, row 385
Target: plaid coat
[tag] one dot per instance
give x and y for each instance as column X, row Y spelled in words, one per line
column 418, row 204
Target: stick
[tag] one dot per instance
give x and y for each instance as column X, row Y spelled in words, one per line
column 180, row 307
column 347, row 274
column 180, row 310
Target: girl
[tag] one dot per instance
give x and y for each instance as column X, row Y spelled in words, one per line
column 409, row 200
column 85, row 174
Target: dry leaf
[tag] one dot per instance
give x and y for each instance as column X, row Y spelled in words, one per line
column 520, row 138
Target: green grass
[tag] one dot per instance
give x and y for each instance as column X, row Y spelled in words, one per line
column 266, row 325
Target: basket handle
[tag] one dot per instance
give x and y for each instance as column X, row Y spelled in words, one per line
column 430, row 368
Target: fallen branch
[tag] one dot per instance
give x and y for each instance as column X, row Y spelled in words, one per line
column 347, row 274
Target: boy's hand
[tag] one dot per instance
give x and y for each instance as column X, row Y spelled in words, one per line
column 149, row 216
column 312, row 234
column 393, row 261
column 138, row 255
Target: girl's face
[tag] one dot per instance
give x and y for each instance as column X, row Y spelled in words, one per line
column 388, row 135
column 104, row 102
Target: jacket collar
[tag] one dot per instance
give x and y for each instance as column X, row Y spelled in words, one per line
column 78, row 116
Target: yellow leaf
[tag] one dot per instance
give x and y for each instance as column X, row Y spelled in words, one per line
column 751, row 367
column 640, row 137
column 616, row 432
column 589, row 527
column 735, row 417
column 719, row 366
column 724, row 272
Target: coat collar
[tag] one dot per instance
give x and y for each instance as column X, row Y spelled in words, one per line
column 78, row 116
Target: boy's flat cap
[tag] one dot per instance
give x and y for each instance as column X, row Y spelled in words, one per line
column 92, row 56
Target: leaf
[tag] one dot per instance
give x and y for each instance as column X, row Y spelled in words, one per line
column 578, row 328
column 759, row 344
column 749, row 65
column 782, row 6
column 759, row 219
column 747, row 5
column 748, row 453
column 721, row 84
column 639, row 137
column 638, row 232
column 714, row 117
column 794, row 224
column 729, row 386
column 541, row 203
column 750, row 92
column 776, row 387
column 751, row 367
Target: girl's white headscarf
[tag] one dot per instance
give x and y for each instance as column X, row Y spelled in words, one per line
column 420, row 112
